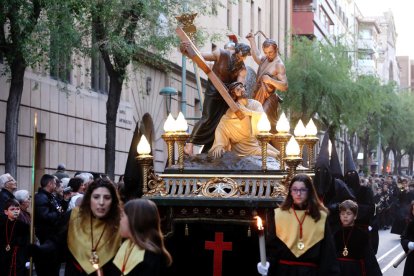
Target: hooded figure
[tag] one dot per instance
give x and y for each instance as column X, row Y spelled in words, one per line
column 351, row 175
column 323, row 177
column 133, row 173
column 342, row 192
column 363, row 196
column 330, row 188
column 335, row 166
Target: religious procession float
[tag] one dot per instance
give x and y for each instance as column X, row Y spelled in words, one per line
column 212, row 209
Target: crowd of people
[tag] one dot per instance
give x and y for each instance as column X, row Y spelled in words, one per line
column 392, row 196
column 82, row 222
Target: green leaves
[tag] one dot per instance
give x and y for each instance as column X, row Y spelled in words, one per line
column 321, row 82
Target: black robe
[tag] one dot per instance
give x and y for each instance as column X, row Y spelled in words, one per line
column 152, row 265
column 214, row 106
column 322, row 254
column 402, row 212
column 19, row 241
column 406, row 237
column 57, row 245
column 360, row 260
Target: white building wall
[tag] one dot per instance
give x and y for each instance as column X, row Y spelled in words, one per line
column 72, row 117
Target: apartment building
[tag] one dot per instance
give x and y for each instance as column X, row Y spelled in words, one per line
column 405, row 65
column 71, row 115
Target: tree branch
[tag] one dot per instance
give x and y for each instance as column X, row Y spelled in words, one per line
column 33, row 18
column 101, row 36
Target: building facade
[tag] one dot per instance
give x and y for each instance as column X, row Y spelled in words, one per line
column 405, row 65
column 72, row 115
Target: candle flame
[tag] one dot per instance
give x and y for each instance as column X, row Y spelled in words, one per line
column 259, row 223
column 35, row 120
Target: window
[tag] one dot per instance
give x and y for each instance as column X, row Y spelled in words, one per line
column 252, row 16
column 99, row 75
column 214, row 10
column 240, row 22
column 59, row 61
column 229, row 14
column 259, row 26
column 197, row 108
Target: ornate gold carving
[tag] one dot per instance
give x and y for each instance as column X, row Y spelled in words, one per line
column 156, row 185
column 219, row 187
column 186, row 21
column 279, row 191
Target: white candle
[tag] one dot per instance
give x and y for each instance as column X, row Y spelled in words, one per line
column 262, row 246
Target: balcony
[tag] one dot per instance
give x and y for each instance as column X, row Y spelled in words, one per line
column 367, row 44
column 366, row 67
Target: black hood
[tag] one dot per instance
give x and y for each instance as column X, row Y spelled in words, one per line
column 133, row 171
column 351, row 177
column 323, row 177
column 335, row 166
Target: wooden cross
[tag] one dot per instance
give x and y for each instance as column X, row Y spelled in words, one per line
column 195, row 55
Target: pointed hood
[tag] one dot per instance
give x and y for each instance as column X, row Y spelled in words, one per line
column 323, row 156
column 351, row 176
column 323, row 177
column 133, row 171
column 349, row 164
column 334, row 164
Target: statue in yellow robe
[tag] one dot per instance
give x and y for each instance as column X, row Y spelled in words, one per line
column 239, row 136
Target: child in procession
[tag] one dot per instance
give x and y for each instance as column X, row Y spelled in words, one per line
column 14, row 239
column 353, row 250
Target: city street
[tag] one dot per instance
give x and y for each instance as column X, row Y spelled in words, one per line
column 388, row 252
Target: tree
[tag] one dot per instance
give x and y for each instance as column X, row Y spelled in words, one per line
column 319, row 82
column 18, row 20
column 362, row 118
column 123, row 31
column 27, row 28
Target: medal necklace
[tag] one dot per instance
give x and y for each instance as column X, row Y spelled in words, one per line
column 94, row 255
column 300, row 244
column 345, row 251
column 128, row 251
column 8, row 239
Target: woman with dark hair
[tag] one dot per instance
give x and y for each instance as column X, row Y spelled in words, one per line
column 407, row 242
column 143, row 252
column 302, row 243
column 77, row 186
column 90, row 233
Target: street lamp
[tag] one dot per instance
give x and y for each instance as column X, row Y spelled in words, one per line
column 168, row 92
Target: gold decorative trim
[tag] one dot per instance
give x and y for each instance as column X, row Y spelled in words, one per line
column 219, row 187
column 156, row 185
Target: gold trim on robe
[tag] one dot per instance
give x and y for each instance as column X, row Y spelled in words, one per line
column 79, row 241
column 287, row 229
column 135, row 258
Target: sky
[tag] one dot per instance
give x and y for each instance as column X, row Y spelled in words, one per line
column 403, row 19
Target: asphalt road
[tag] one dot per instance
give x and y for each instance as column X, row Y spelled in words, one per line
column 389, row 251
